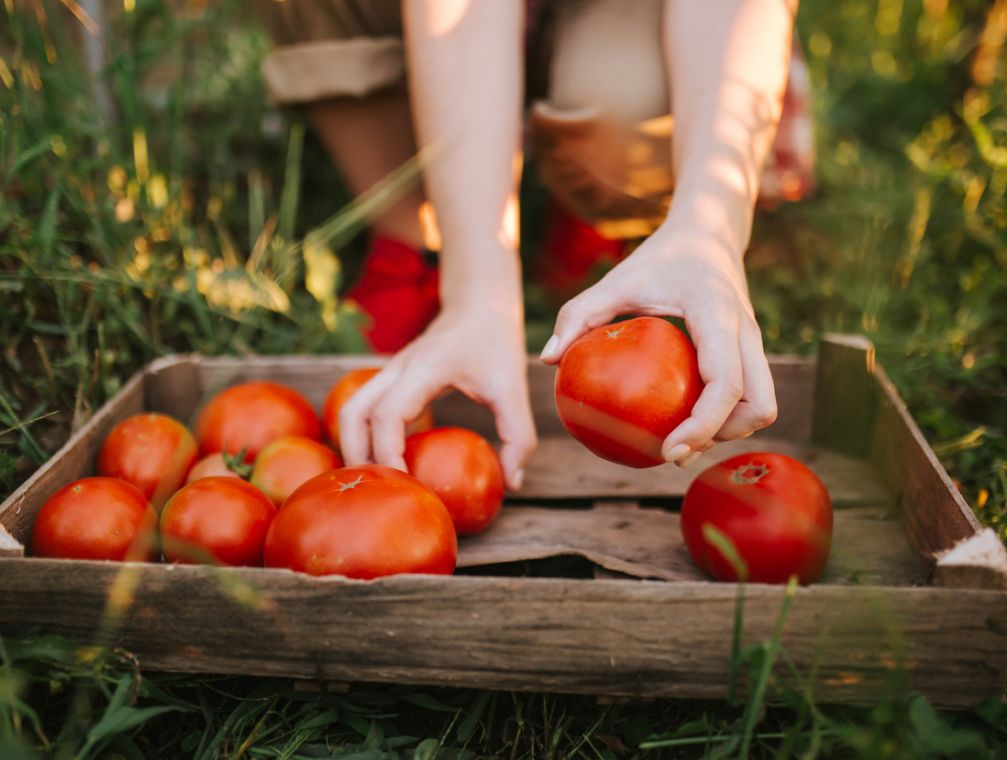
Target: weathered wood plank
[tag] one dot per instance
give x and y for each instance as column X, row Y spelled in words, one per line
column 844, row 394
column 934, row 513
column 977, row 562
column 632, row 638
column 74, row 460
column 868, row 549
column 562, row 468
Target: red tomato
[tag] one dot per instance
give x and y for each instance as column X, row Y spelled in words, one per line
column 252, row 415
column 216, row 519
column 152, row 451
column 344, row 389
column 363, row 522
column 775, row 511
column 213, row 465
column 622, row 388
column 96, row 518
column 288, row 462
column 463, row 470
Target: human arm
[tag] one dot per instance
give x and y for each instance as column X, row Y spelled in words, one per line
column 465, row 69
column 728, row 64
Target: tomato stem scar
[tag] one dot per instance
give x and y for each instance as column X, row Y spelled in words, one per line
column 749, row 473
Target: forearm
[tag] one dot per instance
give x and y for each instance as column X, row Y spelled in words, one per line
column 465, row 79
column 728, row 65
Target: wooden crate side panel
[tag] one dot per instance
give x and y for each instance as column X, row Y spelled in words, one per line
column 614, row 637
column 74, row 460
column 934, row 513
column 844, row 405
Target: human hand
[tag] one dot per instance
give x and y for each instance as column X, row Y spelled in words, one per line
column 480, row 352
column 685, row 272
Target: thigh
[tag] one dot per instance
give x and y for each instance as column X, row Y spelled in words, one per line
column 608, row 55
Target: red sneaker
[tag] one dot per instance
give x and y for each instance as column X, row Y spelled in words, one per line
column 399, row 291
column 573, row 250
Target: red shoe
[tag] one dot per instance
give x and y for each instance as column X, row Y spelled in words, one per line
column 573, row 250
column 399, row 291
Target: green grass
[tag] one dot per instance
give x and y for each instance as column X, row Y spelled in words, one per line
column 197, row 218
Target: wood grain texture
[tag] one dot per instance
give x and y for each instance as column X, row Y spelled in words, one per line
column 935, row 515
column 844, row 394
column 632, row 638
column 562, row 468
column 74, row 460
column 869, row 548
column 979, row 561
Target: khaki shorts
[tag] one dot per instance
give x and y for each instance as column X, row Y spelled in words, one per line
column 605, row 154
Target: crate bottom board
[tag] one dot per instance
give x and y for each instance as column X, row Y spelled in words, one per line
column 869, row 547
column 621, row 638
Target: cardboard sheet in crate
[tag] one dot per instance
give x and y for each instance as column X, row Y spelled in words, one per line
column 632, row 617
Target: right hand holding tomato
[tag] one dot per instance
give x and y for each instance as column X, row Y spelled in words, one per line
column 478, row 351
column 685, row 272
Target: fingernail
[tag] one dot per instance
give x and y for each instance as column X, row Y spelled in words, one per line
column 689, row 459
column 518, row 480
column 676, row 453
column 550, row 346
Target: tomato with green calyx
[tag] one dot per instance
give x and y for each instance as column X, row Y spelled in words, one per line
column 288, row 462
column 252, row 415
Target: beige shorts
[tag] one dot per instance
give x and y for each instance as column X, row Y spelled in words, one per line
column 599, row 124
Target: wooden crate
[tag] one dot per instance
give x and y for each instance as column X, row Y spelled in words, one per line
column 625, row 613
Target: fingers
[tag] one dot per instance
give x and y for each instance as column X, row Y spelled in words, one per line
column 516, row 429
column 390, row 416
column 757, row 408
column 578, row 315
column 715, row 333
column 354, row 417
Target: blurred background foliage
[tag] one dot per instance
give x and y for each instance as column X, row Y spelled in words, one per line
column 181, row 212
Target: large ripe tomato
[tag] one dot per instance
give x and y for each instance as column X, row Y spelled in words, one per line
column 217, row 465
column 96, row 518
column 363, row 522
column 252, row 415
column 152, row 451
column 341, row 392
column 622, row 388
column 288, row 462
column 216, row 519
column 775, row 511
column 463, row 470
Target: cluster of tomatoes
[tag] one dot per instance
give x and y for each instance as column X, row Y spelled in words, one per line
column 253, row 484
column 620, row 389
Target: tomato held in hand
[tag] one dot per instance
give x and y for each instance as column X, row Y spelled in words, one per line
column 463, row 470
column 252, row 415
column 219, row 465
column 344, row 389
column 288, row 462
column 152, row 451
column 363, row 522
column 96, row 518
column 216, row 519
column 622, row 388
column 773, row 509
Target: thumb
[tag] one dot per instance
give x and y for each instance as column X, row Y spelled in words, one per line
column 577, row 316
